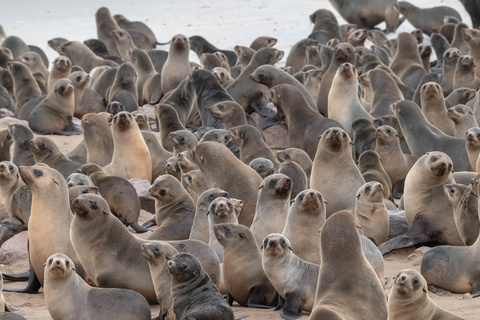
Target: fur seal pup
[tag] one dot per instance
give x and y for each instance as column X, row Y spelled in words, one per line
column 223, row 76
column 363, row 136
column 200, row 226
column 409, row 298
column 13, row 188
column 120, row 195
column 452, row 268
column 87, row 100
column 240, row 253
column 293, row 278
column 182, row 99
column 251, row 144
column 368, row 13
column 450, row 58
column 174, row 209
column 194, row 295
column 463, row 118
column 465, row 211
column 427, row 209
column 307, row 214
column 371, row 167
column 129, row 150
column 433, row 106
column 263, row 42
column 172, row 168
column 465, row 74
column 80, row 55
column 423, row 137
column 22, row 154
column 108, row 242
column 34, row 62
column 124, row 89
column 273, row 203
column 142, row 120
column 105, row 25
column 200, row 45
column 194, row 183
column 54, row 114
column 67, row 295
column 46, row 151
column 336, row 265
column 296, row 110
column 79, row 179
column 333, row 160
column 297, row 57
column 371, row 212
column 344, row 105
column 263, row 166
column 325, row 26
column 158, row 154
column 472, row 144
column 385, row 92
column 221, row 210
column 429, row 20
column 6, row 142
column 126, row 24
column 217, row 174
column 168, row 121
column 148, row 81
column 394, row 161
column 425, row 51
column 16, row 45
column 25, row 87
column 98, row 139
column 270, row 76
column 100, row 49
column 182, row 140
column 229, row 112
column 49, row 203
column 297, row 155
column 176, row 67
column 247, row 92
column 407, row 64
column 358, row 37
column 343, row 53
column 295, row 172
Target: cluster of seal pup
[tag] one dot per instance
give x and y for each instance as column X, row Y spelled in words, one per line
column 301, row 228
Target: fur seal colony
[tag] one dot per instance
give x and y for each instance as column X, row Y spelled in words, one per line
column 259, row 183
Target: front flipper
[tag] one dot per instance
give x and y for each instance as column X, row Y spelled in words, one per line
column 293, row 306
column 416, row 235
column 32, row 287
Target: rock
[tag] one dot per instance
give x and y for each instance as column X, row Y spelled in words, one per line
column 467, row 296
column 398, row 223
column 14, row 249
column 417, row 255
column 5, row 122
column 147, row 202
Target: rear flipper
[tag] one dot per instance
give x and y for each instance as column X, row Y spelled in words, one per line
column 137, row 228
column 257, row 297
column 17, row 277
column 149, row 223
column 416, row 235
column 293, row 306
column 32, row 287
column 269, row 122
column 439, row 291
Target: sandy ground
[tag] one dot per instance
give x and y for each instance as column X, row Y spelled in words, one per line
column 33, row 306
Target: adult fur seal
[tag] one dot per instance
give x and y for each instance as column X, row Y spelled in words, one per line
column 334, row 148
column 240, row 253
column 121, row 196
column 129, row 150
column 251, row 144
column 174, row 209
column 409, row 298
column 433, row 106
column 344, row 52
column 46, row 151
column 105, row 26
column 304, row 136
column 176, row 67
column 272, row 206
column 385, row 92
column 407, row 64
column 194, row 295
column 423, row 137
column 124, row 88
column 305, row 218
column 98, row 139
column 371, row 167
column 67, row 295
column 428, row 211
column 348, row 267
column 429, row 20
column 54, row 114
column 368, row 13
column 219, row 165
column 13, row 188
column 22, row 154
column 25, row 87
column 325, row 26
column 294, row 279
column 80, row 55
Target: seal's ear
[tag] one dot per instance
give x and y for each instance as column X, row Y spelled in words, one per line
column 358, row 195
column 290, row 248
column 424, row 290
column 105, row 212
column 261, row 187
column 55, row 181
column 242, row 235
column 43, row 265
column 351, row 143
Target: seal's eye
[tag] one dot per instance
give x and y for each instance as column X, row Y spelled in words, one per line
column 460, row 110
column 67, row 263
column 211, row 197
column 344, row 135
column 93, row 205
column 367, row 189
column 301, row 197
column 10, row 167
column 183, row 266
column 62, row 88
column 221, row 107
column 190, row 178
column 163, row 192
column 50, row 262
column 474, row 32
column 388, row 130
column 182, row 140
column 415, row 281
column 79, row 78
column 433, row 159
column 273, row 183
column 37, row 173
